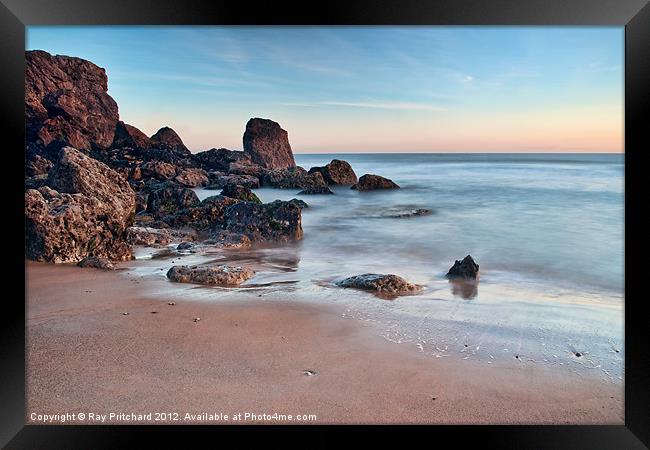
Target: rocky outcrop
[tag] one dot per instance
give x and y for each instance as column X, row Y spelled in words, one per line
column 218, row 275
column 370, row 182
column 192, row 177
column 465, row 269
column 317, row 190
column 292, row 178
column 66, row 102
column 337, row 172
column 129, row 136
column 167, row 139
column 96, row 263
column 168, row 198
column 240, row 192
column 268, row 144
column 278, row 221
column 381, row 284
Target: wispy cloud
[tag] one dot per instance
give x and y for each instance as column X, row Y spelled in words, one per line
column 373, row 105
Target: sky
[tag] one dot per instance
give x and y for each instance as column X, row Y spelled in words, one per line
column 364, row 89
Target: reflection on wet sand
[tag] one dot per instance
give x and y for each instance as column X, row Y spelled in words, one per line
column 467, row 289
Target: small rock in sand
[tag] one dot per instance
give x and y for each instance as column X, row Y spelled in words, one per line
column 466, row 268
column 97, row 263
column 219, row 275
column 384, row 284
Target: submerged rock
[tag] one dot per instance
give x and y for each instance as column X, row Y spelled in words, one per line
column 96, row 263
column 268, row 144
column 382, row 284
column 317, row 190
column 337, row 172
column 466, row 268
column 278, row 221
column 219, row 275
column 371, row 182
column 409, row 213
column 240, row 192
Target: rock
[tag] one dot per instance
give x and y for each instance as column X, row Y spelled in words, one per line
column 228, row 240
column 219, row 275
column 221, row 159
column 61, row 227
column 268, row 144
column 185, row 246
column 66, row 101
column 221, row 181
column 129, row 136
column 246, row 168
column 278, row 221
column 466, row 268
column 240, row 192
column 158, row 170
column 382, row 284
column 192, row 177
column 299, row 203
column 169, row 199
column 148, row 237
column 408, row 213
column 35, row 182
column 37, row 165
column 208, row 214
column 317, row 190
column 293, row 178
column 371, row 182
column 166, row 138
column 97, row 263
column 337, row 172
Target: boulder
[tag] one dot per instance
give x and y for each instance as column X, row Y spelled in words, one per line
column 208, row 214
column 246, row 168
column 337, row 172
column 169, row 198
column 158, row 170
column 218, row 275
column 316, row 190
column 148, row 237
column 167, row 139
column 370, row 182
column 465, row 269
column 299, row 203
column 96, row 263
column 67, row 102
column 382, row 284
column 278, row 221
column 268, row 144
column 129, row 136
column 292, row 178
column 192, row 177
column 221, row 159
column 61, row 227
column 240, row 192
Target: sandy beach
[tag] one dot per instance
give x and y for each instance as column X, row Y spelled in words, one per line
column 251, row 354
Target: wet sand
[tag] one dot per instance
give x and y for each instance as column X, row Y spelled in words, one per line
column 250, row 355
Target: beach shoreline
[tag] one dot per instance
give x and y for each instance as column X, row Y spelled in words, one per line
column 251, row 354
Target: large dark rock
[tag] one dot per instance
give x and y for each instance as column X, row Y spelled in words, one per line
column 169, row 198
column 465, row 269
column 278, row 221
column 370, row 182
column 218, row 275
column 220, row 159
column 379, row 283
column 129, row 136
column 293, row 178
column 158, row 170
column 166, row 138
column 66, row 102
column 268, row 144
column 208, row 214
column 337, row 172
column 240, row 192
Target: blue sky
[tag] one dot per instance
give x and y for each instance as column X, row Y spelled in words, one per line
column 365, row 89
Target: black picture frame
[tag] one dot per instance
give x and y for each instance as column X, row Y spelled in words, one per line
column 15, row 15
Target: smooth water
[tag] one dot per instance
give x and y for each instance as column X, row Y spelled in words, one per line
column 546, row 230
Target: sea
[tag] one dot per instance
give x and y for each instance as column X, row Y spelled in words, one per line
column 547, row 231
